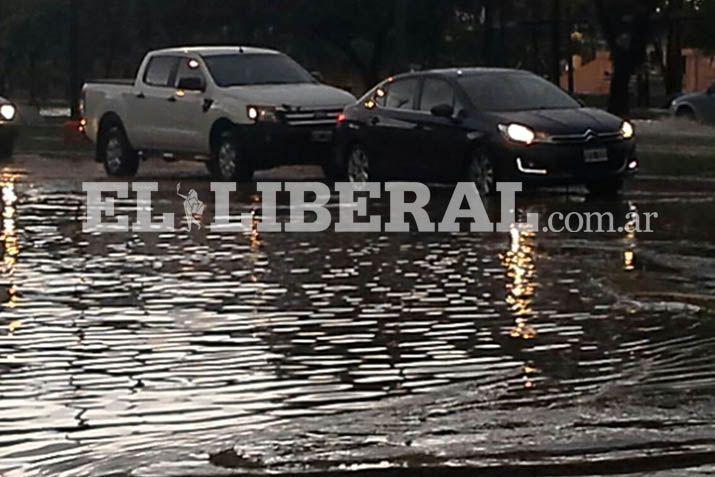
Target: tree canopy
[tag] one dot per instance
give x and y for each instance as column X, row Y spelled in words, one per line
column 354, row 43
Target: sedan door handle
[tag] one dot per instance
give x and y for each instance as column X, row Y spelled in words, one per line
column 375, row 121
column 171, row 99
column 140, row 95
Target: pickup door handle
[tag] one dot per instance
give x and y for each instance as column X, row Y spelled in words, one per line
column 140, row 95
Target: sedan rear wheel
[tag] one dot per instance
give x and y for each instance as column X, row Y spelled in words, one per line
column 481, row 171
column 358, row 166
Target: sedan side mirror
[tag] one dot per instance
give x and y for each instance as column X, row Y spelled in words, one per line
column 191, row 83
column 443, row 111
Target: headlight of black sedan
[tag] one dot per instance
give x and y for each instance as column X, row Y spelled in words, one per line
column 7, row 112
column 627, row 130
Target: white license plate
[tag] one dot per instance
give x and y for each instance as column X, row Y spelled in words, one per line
column 595, row 155
column 321, row 136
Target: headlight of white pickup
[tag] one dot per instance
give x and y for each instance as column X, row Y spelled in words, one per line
column 518, row 133
column 7, row 111
column 262, row 114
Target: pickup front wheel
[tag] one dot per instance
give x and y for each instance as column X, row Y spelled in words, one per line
column 228, row 162
column 119, row 159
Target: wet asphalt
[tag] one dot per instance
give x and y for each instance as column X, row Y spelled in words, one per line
column 200, row 353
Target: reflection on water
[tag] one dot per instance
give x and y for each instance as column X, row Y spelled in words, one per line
column 8, row 239
column 148, row 352
column 629, row 255
column 521, row 272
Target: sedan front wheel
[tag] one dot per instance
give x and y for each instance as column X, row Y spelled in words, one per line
column 358, row 166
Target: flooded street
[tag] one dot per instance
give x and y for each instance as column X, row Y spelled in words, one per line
column 209, row 354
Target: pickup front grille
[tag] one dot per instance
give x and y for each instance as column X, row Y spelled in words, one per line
column 314, row 117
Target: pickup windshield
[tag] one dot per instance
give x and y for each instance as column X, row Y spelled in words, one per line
column 514, row 92
column 255, row 69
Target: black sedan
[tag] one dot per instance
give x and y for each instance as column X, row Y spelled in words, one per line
column 482, row 125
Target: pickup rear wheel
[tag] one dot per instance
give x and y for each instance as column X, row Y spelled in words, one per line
column 119, row 159
column 228, row 162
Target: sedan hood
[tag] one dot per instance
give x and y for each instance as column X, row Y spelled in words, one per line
column 564, row 121
column 295, row 96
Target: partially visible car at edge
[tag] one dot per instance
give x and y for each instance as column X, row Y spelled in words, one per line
column 698, row 106
column 8, row 127
column 238, row 109
column 483, row 125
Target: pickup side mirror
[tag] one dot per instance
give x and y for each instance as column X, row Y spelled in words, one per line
column 443, row 111
column 191, row 83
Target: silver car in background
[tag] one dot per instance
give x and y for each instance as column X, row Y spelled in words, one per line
column 695, row 106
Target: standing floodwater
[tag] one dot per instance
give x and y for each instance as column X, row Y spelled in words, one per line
column 187, row 353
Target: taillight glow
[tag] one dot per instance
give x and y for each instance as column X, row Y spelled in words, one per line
column 342, row 118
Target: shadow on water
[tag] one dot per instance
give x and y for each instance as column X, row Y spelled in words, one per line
column 184, row 353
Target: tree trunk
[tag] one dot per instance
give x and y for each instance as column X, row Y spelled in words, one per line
column 556, row 42
column 619, row 101
column 2, row 55
column 400, row 53
column 31, row 70
column 488, row 34
column 675, row 69
column 643, row 79
column 626, row 31
column 74, row 86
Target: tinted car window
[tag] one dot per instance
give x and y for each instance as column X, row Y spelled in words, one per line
column 188, row 68
column 246, row 70
column 434, row 93
column 401, row 94
column 514, row 92
column 160, row 70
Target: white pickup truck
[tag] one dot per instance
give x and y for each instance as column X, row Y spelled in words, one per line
column 238, row 109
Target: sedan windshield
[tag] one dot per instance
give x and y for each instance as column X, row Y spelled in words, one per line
column 250, row 69
column 514, row 92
